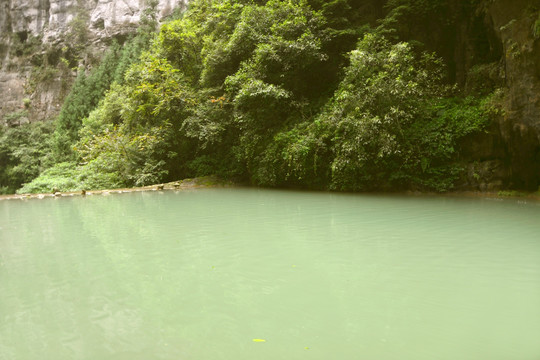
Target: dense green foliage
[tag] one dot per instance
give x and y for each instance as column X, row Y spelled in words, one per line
column 387, row 127
column 23, row 154
column 84, row 96
column 277, row 93
column 88, row 90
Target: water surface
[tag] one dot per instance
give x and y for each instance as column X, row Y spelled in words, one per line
column 200, row 274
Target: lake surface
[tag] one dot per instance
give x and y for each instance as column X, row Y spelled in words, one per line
column 201, row 274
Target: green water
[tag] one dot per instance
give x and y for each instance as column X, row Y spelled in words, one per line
column 200, row 274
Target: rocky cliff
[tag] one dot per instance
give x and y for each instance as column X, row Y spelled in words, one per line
column 517, row 25
column 489, row 44
column 508, row 156
column 38, row 43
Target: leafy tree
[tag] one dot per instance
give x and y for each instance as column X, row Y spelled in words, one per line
column 89, row 89
column 277, row 92
column 387, row 127
column 23, row 153
column 136, row 132
column 83, row 97
column 386, row 93
column 181, row 46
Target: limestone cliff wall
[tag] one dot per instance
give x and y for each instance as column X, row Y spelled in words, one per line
column 514, row 22
column 509, row 155
column 492, row 44
column 51, row 18
column 29, row 27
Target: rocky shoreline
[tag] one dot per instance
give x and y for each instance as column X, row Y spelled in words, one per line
column 208, row 182
column 196, row 183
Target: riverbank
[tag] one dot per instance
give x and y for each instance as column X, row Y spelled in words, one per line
column 211, row 181
column 195, row 183
column 529, row 196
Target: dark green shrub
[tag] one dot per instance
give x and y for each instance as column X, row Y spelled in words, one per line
column 23, row 153
column 388, row 127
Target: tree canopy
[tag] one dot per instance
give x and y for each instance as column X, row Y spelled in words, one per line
column 302, row 93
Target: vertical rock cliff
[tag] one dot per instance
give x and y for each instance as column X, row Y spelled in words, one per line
column 488, row 44
column 508, row 156
column 517, row 25
column 37, row 42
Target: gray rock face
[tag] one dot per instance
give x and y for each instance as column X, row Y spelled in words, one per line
column 51, row 18
column 47, row 22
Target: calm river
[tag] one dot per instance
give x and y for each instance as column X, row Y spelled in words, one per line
column 240, row 274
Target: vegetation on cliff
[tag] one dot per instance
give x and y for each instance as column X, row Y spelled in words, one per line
column 302, row 93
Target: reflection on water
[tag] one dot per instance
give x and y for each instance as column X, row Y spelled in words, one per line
column 200, row 274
